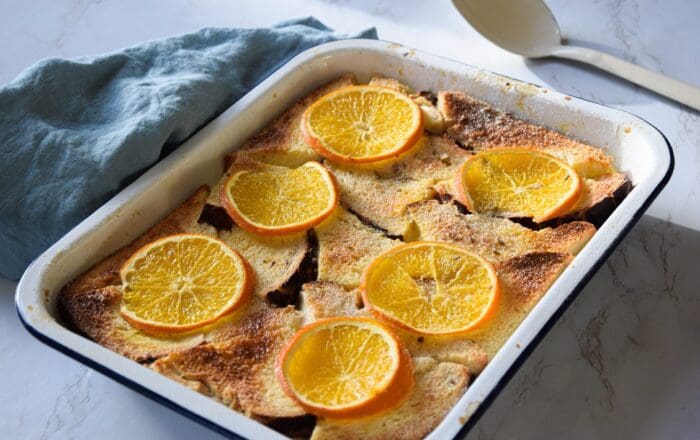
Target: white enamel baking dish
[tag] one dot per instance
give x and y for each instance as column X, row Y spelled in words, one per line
column 638, row 148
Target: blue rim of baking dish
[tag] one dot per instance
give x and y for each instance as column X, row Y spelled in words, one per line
column 495, row 390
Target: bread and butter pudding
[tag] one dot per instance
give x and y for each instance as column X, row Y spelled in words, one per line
column 359, row 263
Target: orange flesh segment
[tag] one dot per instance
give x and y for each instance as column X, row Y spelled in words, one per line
column 345, row 367
column 431, row 287
column 182, row 282
column 362, row 124
column 276, row 200
column 513, row 182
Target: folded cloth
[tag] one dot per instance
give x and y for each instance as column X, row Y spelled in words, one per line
column 74, row 132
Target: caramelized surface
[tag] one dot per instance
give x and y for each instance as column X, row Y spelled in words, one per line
column 302, row 278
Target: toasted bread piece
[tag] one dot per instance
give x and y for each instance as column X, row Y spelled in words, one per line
column 458, row 349
column 95, row 313
column 326, row 299
column 479, row 126
column 381, row 193
column 274, row 260
column 390, row 83
column 526, row 279
column 239, row 369
column 495, row 239
column 600, row 196
column 437, row 387
column 281, row 142
column 346, row 246
column 91, row 302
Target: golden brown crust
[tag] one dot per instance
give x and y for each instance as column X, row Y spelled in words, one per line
column 378, row 80
column 239, row 370
column 346, row 246
column 479, row 126
column 326, row 299
column 526, row 278
column 568, row 238
column 495, row 239
column 381, row 193
column 274, row 260
column 600, row 196
column 437, row 387
column 91, row 302
column 95, row 313
column 459, row 349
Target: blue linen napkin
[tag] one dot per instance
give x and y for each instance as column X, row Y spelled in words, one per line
column 74, row 132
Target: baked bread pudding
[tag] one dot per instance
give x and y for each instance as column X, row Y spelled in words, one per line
column 362, row 259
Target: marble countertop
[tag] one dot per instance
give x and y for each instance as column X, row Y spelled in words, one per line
column 623, row 362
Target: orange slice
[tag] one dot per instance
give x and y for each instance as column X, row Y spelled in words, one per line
column 362, row 124
column 345, row 367
column 518, row 182
column 431, row 288
column 183, row 282
column 272, row 200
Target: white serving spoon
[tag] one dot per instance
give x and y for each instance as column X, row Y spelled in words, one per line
column 528, row 28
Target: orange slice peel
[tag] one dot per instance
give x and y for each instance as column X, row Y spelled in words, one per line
column 431, row 288
column 345, row 368
column 273, row 200
column 518, row 182
column 362, row 124
column 183, row 282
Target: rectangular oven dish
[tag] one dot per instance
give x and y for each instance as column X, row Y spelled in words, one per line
column 638, row 149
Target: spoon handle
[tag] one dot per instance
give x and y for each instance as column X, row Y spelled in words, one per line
column 661, row 84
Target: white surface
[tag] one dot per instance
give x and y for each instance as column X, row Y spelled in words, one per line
column 622, row 363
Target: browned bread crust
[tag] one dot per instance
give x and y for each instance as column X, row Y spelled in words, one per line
column 91, row 302
column 95, row 313
column 239, row 370
column 106, row 272
column 274, row 260
column 326, row 299
column 526, row 278
column 479, row 126
column 346, row 246
column 600, row 196
column 381, row 193
column 496, row 239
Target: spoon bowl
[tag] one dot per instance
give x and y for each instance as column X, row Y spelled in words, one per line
column 528, row 28
column 524, row 27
